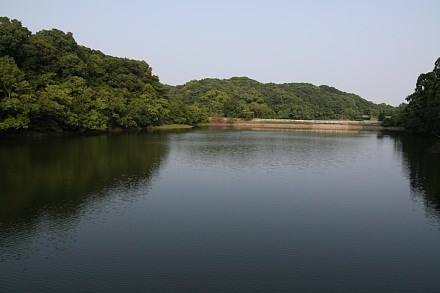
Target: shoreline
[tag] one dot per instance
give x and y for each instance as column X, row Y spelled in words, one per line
column 301, row 124
column 72, row 133
column 233, row 123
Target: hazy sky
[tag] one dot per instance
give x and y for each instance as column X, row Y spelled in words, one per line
column 372, row 48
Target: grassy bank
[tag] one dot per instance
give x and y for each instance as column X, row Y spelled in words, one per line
column 172, row 127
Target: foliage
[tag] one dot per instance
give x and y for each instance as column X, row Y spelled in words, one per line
column 396, row 118
column 48, row 82
column 423, row 111
column 12, row 37
column 241, row 97
column 17, row 102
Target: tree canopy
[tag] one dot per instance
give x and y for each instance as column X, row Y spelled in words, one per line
column 48, row 82
column 246, row 98
column 422, row 114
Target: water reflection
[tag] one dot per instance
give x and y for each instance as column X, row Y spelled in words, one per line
column 244, row 150
column 421, row 161
column 230, row 211
column 55, row 177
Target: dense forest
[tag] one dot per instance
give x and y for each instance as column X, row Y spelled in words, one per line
column 241, row 97
column 50, row 83
column 422, row 113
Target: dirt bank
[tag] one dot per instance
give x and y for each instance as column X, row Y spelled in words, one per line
column 300, row 124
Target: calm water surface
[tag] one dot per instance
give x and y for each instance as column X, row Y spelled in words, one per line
column 220, row 210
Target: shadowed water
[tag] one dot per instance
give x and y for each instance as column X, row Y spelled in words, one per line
column 220, row 210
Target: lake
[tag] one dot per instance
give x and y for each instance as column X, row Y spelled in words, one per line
column 210, row 210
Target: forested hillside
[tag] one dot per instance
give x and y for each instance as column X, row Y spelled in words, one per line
column 48, row 82
column 246, row 98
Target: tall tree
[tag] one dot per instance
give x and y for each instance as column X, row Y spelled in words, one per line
column 17, row 102
column 423, row 111
column 12, row 37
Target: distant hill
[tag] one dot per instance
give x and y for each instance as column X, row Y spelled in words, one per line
column 246, row 98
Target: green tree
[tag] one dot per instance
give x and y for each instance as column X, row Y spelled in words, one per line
column 38, row 56
column 55, row 103
column 112, row 103
column 244, row 97
column 71, row 65
column 148, row 109
column 11, row 77
column 17, row 102
column 215, row 102
column 195, row 114
column 261, row 110
column 49, row 82
column 59, row 85
column 423, row 111
column 12, row 37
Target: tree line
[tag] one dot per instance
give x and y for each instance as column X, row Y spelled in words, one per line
column 422, row 112
column 241, row 97
column 49, row 83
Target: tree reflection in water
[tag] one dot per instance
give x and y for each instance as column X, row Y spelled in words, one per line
column 421, row 162
column 55, row 177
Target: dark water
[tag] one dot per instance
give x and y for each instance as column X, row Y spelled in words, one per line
column 223, row 210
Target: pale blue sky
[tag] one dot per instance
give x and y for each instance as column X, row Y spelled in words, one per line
column 372, row 48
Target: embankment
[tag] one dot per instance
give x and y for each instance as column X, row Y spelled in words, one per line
column 300, row 124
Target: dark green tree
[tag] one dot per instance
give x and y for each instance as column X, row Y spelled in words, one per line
column 423, row 111
column 17, row 102
column 241, row 97
column 12, row 37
